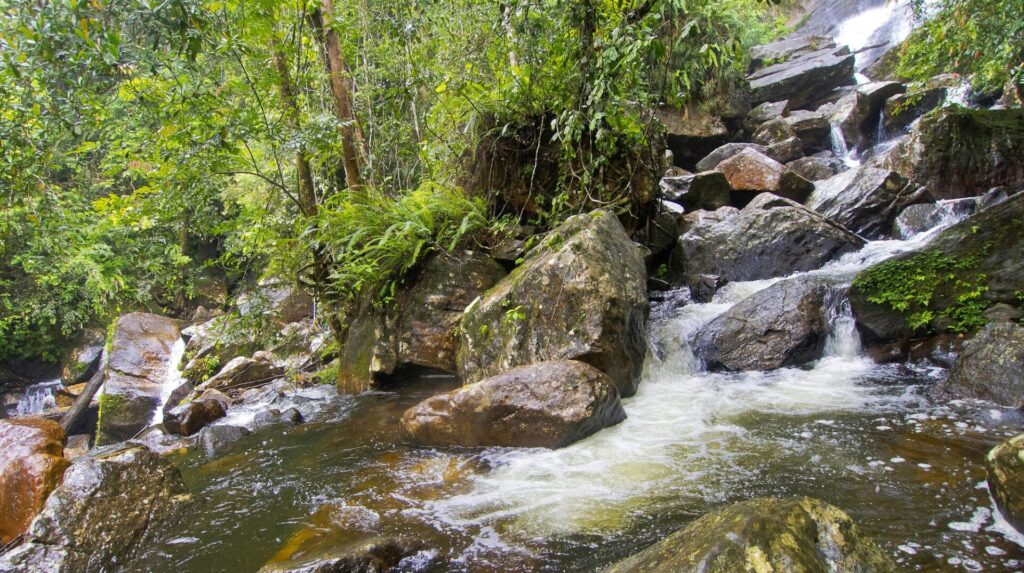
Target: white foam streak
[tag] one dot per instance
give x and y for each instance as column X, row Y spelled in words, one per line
column 172, row 380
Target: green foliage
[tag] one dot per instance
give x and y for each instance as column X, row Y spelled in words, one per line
column 983, row 39
column 912, row 287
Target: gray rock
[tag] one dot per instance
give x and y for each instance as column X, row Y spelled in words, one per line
column 1005, row 468
column 773, row 131
column 188, row 419
column 991, row 366
column 547, row 405
column 813, row 168
column 726, row 151
column 812, row 128
column 767, row 111
column 851, row 115
column 580, row 294
column 82, row 360
column 218, row 437
column 803, row 79
column 242, row 372
column 917, row 219
column 769, row 237
column 274, row 417
column 786, row 150
column 787, row 49
column 704, row 190
column 376, row 555
column 865, row 200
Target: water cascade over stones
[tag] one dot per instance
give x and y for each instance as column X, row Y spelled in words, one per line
column 39, row 397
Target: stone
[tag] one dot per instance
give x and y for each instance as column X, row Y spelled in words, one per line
column 902, row 109
column 768, row 111
column 803, row 79
column 720, row 154
column 138, row 366
column 786, row 150
column 187, row 419
column 705, row 190
column 919, row 218
column 851, row 115
column 31, row 466
column 420, row 329
column 210, row 345
column 82, row 359
column 77, row 446
column 764, row 535
column 663, row 227
column 242, row 372
column 785, row 324
column 218, row 437
column 75, row 531
column 703, row 287
column 787, row 49
column 812, row 168
column 274, row 417
column 1005, row 467
column 580, row 294
column 374, row 555
column 691, row 133
column 991, row 366
column 769, row 237
column 812, row 128
column 956, row 152
column 750, row 173
column 865, row 200
column 985, row 251
column 773, row 131
column 543, row 405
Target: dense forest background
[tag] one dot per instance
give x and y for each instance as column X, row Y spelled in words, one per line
column 150, row 149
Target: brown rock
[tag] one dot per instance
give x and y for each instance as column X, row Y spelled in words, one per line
column 188, row 419
column 750, row 172
column 31, row 466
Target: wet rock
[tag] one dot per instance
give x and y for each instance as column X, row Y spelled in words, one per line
column 724, row 152
column 764, row 535
column 786, row 150
column 956, row 152
column 782, row 325
column 865, row 200
column 663, row 228
column 812, row 128
column 917, row 219
column 138, row 366
column 275, row 417
column 82, row 360
column 750, row 173
column 812, row 168
column 703, row 287
column 991, row 366
column 787, row 49
column 850, row 115
column 773, row 131
column 769, row 237
column 900, row 110
column 188, row 419
column 546, row 405
column 580, row 294
column 1005, row 467
column 31, row 466
column 767, row 111
column 705, row 190
column 984, row 251
column 691, row 133
column 419, row 330
column 75, row 533
column 242, row 372
column 376, row 555
column 218, row 437
column 804, row 78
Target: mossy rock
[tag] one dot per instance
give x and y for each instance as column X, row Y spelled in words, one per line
column 764, row 535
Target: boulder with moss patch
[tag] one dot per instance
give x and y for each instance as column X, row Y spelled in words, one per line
column 1005, row 467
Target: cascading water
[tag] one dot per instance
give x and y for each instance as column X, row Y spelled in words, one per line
column 172, row 379
column 39, row 397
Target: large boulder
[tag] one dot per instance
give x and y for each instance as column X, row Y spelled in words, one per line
column 788, row 49
column 785, row 324
column 580, row 295
column 813, row 168
column 1005, row 467
column 764, row 535
column 991, row 366
column 138, row 365
column 956, row 152
column 947, row 285
column 803, row 78
column 812, row 128
column 865, row 200
column 420, row 329
column 31, row 465
column 544, row 405
column 750, row 172
column 705, row 190
column 769, row 237
column 111, row 503
column 691, row 133
column 902, row 109
column 187, row 419
column 243, row 372
column 773, row 131
column 720, row 154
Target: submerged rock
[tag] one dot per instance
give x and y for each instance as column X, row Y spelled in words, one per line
column 991, row 366
column 865, row 200
column 769, row 237
column 579, row 295
column 785, row 324
column 216, row 438
column 31, row 466
column 110, row 505
column 138, row 366
column 1005, row 467
column 420, row 329
column 750, row 172
column 375, row 555
column 546, row 405
column 764, row 535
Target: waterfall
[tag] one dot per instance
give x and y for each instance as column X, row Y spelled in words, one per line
column 840, row 148
column 843, row 339
column 172, row 380
column 39, row 397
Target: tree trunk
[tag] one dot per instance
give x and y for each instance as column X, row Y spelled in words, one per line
column 81, row 405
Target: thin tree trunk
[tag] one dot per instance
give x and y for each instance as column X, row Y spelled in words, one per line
column 81, row 405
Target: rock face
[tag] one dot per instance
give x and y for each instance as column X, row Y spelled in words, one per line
column 706, row 190
column 991, row 366
column 691, row 133
column 783, row 325
column 805, row 76
column 865, row 200
column 764, row 535
column 188, row 419
column 420, row 328
column 750, row 173
column 546, row 405
column 965, row 269
column 580, row 295
column 1005, row 467
column 31, row 466
column 956, row 152
column 769, row 237
column 138, row 365
column 75, row 531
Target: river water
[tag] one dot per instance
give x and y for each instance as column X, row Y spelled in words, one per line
column 868, row 438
